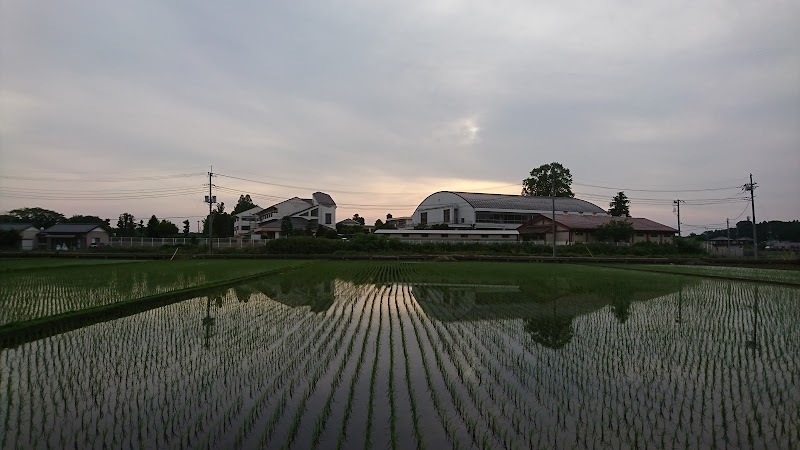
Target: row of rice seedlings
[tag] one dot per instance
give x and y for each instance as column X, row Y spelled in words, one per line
column 361, row 357
column 374, row 372
column 326, row 354
column 401, row 292
column 321, row 420
column 302, row 361
column 451, row 427
column 484, row 394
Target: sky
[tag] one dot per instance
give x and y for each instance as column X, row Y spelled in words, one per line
column 112, row 107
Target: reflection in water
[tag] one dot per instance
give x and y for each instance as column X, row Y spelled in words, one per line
column 290, row 358
column 753, row 343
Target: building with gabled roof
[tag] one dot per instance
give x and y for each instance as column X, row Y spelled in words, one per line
column 27, row 232
column 71, row 236
column 304, row 213
column 493, row 211
column 573, row 228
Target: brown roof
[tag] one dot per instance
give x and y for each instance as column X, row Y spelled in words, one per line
column 579, row 222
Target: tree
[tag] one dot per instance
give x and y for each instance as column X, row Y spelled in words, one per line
column 615, row 230
column 359, row 219
column 541, row 181
column 167, row 228
column 222, row 223
column 10, row 239
column 39, row 217
column 620, row 205
column 388, row 216
column 105, row 223
column 286, row 226
column 378, row 224
column 126, row 225
column 186, row 227
column 244, row 203
column 152, row 227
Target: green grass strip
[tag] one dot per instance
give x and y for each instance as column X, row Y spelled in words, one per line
column 713, row 272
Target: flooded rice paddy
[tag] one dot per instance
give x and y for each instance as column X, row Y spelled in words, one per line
column 423, row 355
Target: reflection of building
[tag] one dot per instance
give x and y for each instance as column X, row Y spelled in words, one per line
column 454, row 236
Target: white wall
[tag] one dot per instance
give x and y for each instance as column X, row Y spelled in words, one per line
column 437, row 203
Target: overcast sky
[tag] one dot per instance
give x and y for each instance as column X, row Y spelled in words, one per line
column 382, row 103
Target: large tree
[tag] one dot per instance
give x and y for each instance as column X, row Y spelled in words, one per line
column 620, row 205
column 167, row 228
column 105, row 223
column 548, row 179
column 359, row 219
column 152, row 227
column 186, row 227
column 39, row 217
column 245, row 203
column 126, row 225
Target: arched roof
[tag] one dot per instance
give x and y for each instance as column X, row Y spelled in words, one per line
column 529, row 203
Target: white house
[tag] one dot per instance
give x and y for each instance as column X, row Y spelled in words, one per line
column 494, row 211
column 245, row 222
column 320, row 209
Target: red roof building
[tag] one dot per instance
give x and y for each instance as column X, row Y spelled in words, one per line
column 571, row 228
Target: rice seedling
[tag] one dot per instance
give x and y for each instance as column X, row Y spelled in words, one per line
column 418, row 354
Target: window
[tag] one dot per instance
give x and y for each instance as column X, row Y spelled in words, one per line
column 444, row 235
column 640, row 234
column 327, row 218
column 464, row 235
column 446, row 216
column 423, row 235
column 423, row 218
column 405, row 235
column 462, row 220
column 485, row 236
column 314, row 212
column 579, row 233
column 505, row 236
column 244, row 227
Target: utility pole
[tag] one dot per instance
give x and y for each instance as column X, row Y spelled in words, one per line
column 752, row 187
column 553, row 196
column 210, row 199
column 678, row 203
column 728, row 230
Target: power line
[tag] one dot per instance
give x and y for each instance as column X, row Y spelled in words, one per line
column 102, row 180
column 657, row 190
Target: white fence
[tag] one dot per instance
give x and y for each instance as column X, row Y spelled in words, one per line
column 202, row 242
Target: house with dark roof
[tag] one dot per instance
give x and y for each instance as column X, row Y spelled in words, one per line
column 26, row 231
column 494, row 211
column 305, row 213
column 75, row 236
column 575, row 228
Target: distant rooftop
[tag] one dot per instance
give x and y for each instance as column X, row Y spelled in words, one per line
column 528, row 203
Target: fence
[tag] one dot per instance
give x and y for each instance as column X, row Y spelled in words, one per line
column 128, row 242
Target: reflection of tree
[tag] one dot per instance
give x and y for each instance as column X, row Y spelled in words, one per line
column 552, row 332
column 208, row 324
column 621, row 310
